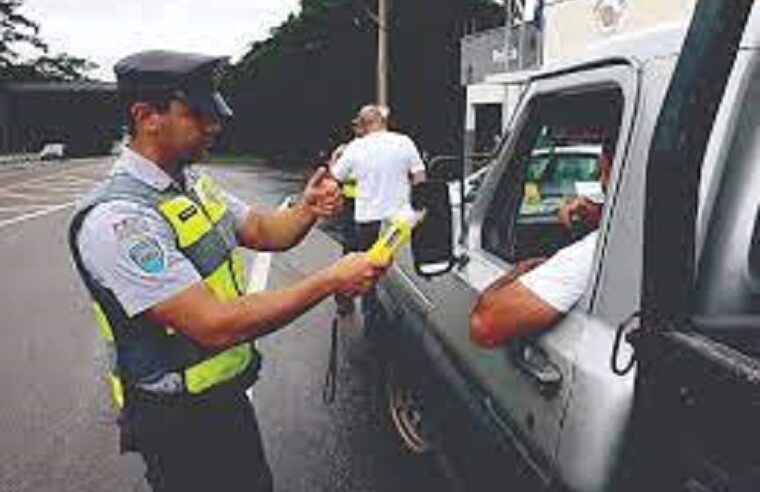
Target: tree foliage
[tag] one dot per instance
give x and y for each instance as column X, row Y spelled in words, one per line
column 294, row 93
column 17, row 31
column 61, row 67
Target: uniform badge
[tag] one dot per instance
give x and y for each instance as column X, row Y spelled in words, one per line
column 188, row 213
column 148, row 254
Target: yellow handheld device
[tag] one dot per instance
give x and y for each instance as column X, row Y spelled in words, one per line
column 395, row 234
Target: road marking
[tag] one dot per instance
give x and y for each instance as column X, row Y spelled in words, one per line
column 33, row 215
column 17, row 208
column 65, row 181
column 51, row 186
column 18, row 194
column 258, row 276
column 47, row 176
column 259, row 273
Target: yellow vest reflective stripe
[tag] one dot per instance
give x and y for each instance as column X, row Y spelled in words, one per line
column 198, row 377
column 199, row 220
column 211, row 198
column 106, row 333
column 227, row 281
column 218, row 369
column 183, row 215
column 350, row 188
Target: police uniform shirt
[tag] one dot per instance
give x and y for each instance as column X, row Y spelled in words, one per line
column 130, row 248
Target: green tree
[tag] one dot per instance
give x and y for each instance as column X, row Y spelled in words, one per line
column 295, row 92
column 62, row 67
column 17, row 30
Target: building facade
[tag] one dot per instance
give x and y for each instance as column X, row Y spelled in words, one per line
column 496, row 62
column 81, row 115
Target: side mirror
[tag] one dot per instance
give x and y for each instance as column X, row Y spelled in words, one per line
column 446, row 168
column 432, row 247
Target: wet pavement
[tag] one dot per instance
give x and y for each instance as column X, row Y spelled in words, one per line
column 56, row 424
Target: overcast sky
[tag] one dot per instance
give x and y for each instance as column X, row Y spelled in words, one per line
column 106, row 30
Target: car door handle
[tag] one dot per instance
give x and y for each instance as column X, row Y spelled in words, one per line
column 533, row 361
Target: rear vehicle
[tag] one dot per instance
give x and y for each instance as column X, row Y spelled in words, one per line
column 561, row 410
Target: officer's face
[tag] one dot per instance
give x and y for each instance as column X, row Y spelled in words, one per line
column 187, row 133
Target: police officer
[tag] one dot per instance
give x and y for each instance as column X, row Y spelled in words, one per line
column 158, row 247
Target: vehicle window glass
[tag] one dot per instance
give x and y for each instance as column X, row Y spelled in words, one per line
column 557, row 157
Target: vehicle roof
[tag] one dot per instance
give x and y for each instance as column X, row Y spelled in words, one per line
column 660, row 42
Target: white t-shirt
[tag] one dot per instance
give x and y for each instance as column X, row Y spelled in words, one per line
column 562, row 279
column 381, row 163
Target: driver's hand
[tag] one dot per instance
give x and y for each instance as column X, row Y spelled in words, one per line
column 580, row 210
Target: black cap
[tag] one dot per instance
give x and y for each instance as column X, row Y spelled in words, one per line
column 189, row 77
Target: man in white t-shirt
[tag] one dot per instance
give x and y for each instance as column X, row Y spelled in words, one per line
column 536, row 293
column 385, row 165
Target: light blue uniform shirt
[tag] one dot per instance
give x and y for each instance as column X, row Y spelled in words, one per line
column 131, row 250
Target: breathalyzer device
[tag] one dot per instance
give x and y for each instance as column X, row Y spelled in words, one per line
column 396, row 233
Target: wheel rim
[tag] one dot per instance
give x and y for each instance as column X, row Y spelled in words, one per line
column 405, row 407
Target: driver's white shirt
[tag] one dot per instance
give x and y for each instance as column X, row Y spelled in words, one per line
column 562, row 279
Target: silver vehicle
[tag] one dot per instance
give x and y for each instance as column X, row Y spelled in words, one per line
column 561, row 410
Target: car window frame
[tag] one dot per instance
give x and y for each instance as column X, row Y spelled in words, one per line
column 619, row 72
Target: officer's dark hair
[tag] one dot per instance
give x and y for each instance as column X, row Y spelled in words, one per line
column 157, row 99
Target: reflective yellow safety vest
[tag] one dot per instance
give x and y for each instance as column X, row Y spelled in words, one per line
column 350, row 188
column 158, row 361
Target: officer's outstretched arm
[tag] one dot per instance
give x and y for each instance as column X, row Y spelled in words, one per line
column 277, row 231
column 199, row 314
column 284, row 229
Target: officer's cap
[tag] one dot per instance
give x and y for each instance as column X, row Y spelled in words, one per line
column 189, row 77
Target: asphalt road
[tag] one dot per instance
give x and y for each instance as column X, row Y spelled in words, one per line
column 56, row 423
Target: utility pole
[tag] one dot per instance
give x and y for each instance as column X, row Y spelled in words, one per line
column 382, row 52
column 507, row 33
column 521, row 35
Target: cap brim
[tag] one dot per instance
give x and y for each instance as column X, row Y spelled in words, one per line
column 210, row 104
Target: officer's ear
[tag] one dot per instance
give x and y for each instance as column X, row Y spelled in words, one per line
column 146, row 116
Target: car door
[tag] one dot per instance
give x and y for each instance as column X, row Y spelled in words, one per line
column 526, row 385
column 698, row 390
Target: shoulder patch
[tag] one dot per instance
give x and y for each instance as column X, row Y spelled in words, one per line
column 147, row 253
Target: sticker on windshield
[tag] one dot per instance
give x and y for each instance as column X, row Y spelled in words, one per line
column 590, row 189
column 148, row 254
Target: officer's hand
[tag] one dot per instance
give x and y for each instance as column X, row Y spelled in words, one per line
column 355, row 273
column 579, row 210
column 322, row 194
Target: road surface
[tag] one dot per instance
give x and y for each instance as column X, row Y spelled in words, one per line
column 56, row 423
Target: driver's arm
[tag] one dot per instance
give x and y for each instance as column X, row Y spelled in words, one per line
column 531, row 298
column 507, row 310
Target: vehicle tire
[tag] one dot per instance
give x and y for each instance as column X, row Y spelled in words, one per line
column 406, row 409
